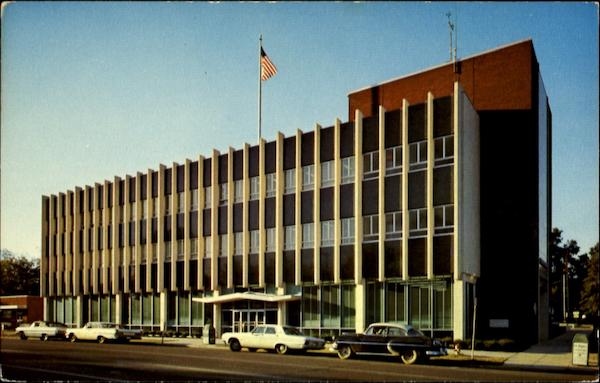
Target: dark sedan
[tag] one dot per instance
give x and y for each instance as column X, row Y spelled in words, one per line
column 392, row 339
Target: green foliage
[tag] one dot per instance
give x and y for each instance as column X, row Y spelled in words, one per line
column 19, row 275
column 590, row 291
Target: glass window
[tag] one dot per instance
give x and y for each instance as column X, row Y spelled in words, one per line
column 308, row 232
column 444, row 147
column 144, row 210
column 271, row 184
column 194, row 194
column 371, row 164
column 418, row 154
column 223, row 194
column 330, row 308
column 254, row 188
column 327, row 173
column 444, row 216
column 154, row 210
column 270, row 330
column 167, row 251
column 418, row 219
column 238, row 243
column 254, row 241
column 289, row 242
column 207, row 247
column 393, row 160
column 168, row 204
column 132, row 211
column 194, row 248
column 180, row 202
column 394, row 310
column 238, row 191
column 393, row 223
column 308, row 177
column 290, row 181
column 271, row 239
column 207, row 197
column 347, row 170
column 180, row 249
column 348, row 230
column 371, row 228
column 327, row 233
column 348, row 306
column 223, row 245
column 310, row 306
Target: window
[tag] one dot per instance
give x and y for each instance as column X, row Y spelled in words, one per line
column 180, row 249
column 327, row 173
column 194, row 248
column 418, row 219
column 207, row 197
column 167, row 205
column 327, row 233
column 223, row 245
column 393, row 160
column 347, row 231
column 371, row 164
column 254, row 188
column 144, row 211
column 444, row 216
column 223, row 194
column 238, row 191
column 194, row 200
column 207, row 247
column 154, row 210
column 254, row 241
column 418, row 154
column 308, row 177
column 167, row 252
column 371, row 228
column 444, row 147
column 271, row 184
column 238, row 243
column 270, row 239
column 181, row 202
column 289, row 240
column 308, row 232
column 393, row 224
column 347, row 170
column 132, row 211
column 290, row 181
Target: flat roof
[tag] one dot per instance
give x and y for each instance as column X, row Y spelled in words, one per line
column 441, row 65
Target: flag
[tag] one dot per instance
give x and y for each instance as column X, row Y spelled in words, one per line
column 267, row 68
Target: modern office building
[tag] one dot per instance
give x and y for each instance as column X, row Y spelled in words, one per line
column 435, row 192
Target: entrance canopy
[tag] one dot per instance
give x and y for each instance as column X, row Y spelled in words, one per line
column 247, row 295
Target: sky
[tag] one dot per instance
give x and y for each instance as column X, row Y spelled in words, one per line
column 91, row 90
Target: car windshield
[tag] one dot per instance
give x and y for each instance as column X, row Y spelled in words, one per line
column 292, row 331
column 413, row 332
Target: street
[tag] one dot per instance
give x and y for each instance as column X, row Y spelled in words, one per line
column 58, row 360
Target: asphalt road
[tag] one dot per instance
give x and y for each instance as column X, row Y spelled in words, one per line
column 58, row 360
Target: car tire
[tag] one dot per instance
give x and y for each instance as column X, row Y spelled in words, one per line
column 72, row 338
column 409, row 356
column 281, row 349
column 22, row 335
column 345, row 352
column 234, row 345
column 101, row 339
column 44, row 338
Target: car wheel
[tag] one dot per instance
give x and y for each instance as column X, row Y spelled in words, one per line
column 44, row 337
column 281, row 349
column 101, row 339
column 234, row 345
column 72, row 338
column 345, row 352
column 252, row 349
column 409, row 356
column 22, row 335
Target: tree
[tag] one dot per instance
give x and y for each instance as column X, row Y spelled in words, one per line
column 19, row 275
column 566, row 274
column 589, row 294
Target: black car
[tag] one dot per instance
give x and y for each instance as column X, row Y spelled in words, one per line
column 392, row 339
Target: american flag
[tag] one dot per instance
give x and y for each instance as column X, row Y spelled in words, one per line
column 267, row 68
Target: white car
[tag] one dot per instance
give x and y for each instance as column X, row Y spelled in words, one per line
column 42, row 330
column 272, row 337
column 101, row 332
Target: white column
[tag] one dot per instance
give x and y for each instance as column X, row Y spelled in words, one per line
column 337, row 226
column 360, row 306
column 86, row 240
column 430, row 164
column 261, row 213
column 137, row 258
column 174, row 211
column 201, row 244
column 404, row 204
column 163, row 310
column 358, row 175
column 76, row 265
column 59, row 245
column 317, row 204
column 297, row 209
column 186, row 225
column 230, row 234
column 105, row 250
column 118, row 302
column 68, row 256
column 149, row 213
column 160, row 244
column 279, row 215
column 115, row 258
column 214, row 214
column 245, row 214
column 381, row 196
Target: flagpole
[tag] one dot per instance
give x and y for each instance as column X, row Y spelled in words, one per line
column 259, row 88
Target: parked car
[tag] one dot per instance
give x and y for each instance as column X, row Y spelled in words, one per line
column 42, row 330
column 389, row 338
column 272, row 337
column 101, row 332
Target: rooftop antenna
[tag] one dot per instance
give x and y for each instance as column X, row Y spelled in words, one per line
column 451, row 31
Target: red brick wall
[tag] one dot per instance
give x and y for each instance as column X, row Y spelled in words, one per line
column 499, row 80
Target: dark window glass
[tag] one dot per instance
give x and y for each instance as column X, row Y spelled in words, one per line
column 194, row 175
column 194, row 224
column 417, row 123
column 326, row 264
column 132, row 189
column 370, row 197
column 307, row 266
column 417, row 189
column 370, row 264
column 180, row 223
column 370, row 133
column 167, row 229
column 443, row 188
column 326, row 149
column 253, row 161
column 347, row 201
column 289, row 153
column 442, row 116
column 180, row 178
column 206, row 172
column 167, row 184
column 270, row 157
column 270, row 268
column 417, row 257
column 306, row 206
column 307, row 152
column 143, row 232
column 347, row 139
column 223, row 170
column 393, row 259
column 393, row 128
column 443, row 255
column 143, row 186
column 393, row 193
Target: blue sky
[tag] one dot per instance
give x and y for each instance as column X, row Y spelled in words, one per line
column 94, row 90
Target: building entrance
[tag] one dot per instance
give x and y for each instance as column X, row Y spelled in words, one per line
column 243, row 316
column 246, row 320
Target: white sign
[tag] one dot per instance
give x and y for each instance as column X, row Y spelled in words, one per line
column 580, row 354
column 499, row 323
